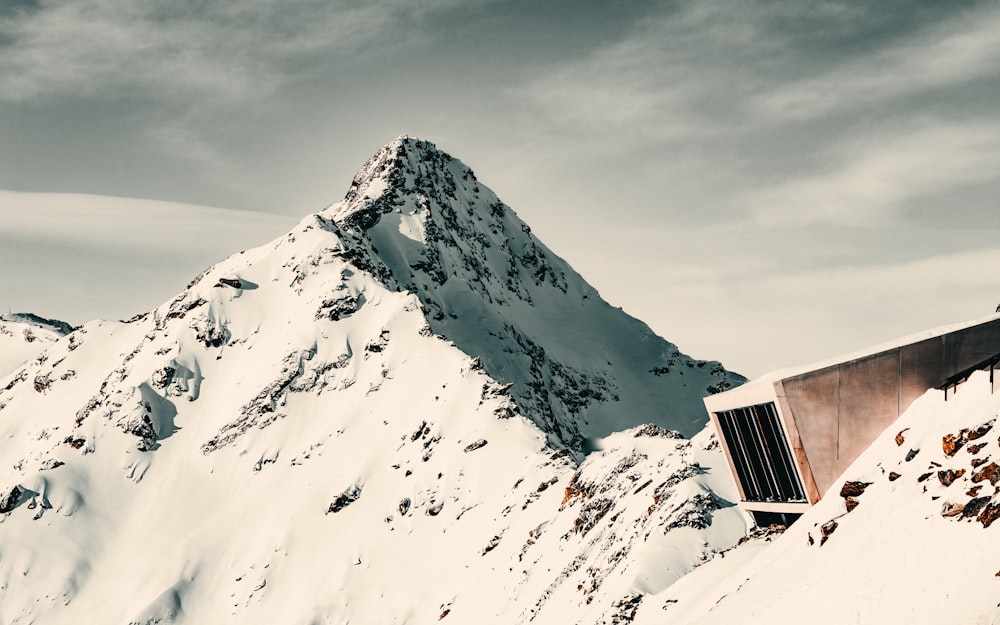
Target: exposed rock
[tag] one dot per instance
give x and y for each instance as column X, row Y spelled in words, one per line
column 899, row 437
column 591, row 514
column 893, row 476
column 490, row 546
column 974, row 507
column 980, row 430
column 989, row 514
column 435, row 509
column 910, row 455
column 975, row 462
column 975, row 449
column 951, row 443
column 853, row 489
column 974, row 491
column 948, row 477
column 826, row 530
column 952, row 509
column 337, row 308
column 233, row 282
column 851, row 503
column 10, row 501
column 924, row 476
column 656, row 431
column 404, row 505
column 990, row 472
column 345, row 499
column 476, row 445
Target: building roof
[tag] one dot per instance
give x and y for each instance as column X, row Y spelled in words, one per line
column 754, row 387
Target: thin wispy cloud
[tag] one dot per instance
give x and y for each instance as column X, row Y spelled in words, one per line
column 964, row 48
column 876, row 179
column 226, row 50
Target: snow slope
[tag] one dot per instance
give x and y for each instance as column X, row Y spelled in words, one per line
column 24, row 336
column 921, row 547
column 580, row 368
column 292, row 439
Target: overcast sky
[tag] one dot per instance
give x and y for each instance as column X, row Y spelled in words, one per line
column 764, row 183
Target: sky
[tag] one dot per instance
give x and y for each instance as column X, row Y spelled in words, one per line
column 764, row 182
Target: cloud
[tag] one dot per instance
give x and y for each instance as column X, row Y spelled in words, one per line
column 77, row 257
column 224, row 51
column 938, row 56
column 877, row 178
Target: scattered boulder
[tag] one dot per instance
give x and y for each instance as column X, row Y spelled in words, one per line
column 948, row 477
column 11, row 500
column 853, row 489
column 910, row 455
column 233, row 282
column 974, row 507
column 951, row 443
column 952, row 509
column 893, row 476
column 345, row 499
column 990, row 472
column 975, row 449
column 476, row 445
column 404, row 505
column 435, row 509
column 980, row 430
column 989, row 514
column 826, row 530
column 899, row 437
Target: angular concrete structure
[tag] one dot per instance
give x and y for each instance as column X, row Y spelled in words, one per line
column 790, row 434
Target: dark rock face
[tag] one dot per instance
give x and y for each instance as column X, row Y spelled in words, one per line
column 345, row 499
column 11, row 499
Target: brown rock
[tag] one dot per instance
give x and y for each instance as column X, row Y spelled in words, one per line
column 951, row 443
column 925, row 476
column 952, row 509
column 851, row 503
column 978, row 461
column 989, row 514
column 972, row 492
column 948, row 477
column 981, row 430
column 899, row 437
column 990, row 472
column 826, row 530
column 893, row 476
column 853, row 489
column 975, row 449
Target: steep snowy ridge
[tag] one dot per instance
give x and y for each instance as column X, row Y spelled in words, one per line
column 580, row 368
column 24, row 336
column 291, row 439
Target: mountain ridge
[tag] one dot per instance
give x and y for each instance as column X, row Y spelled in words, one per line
column 489, row 284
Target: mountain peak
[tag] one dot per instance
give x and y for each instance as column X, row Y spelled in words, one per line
column 404, row 165
column 489, row 285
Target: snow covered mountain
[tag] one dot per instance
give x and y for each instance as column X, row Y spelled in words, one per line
column 373, row 419
column 578, row 367
column 24, row 336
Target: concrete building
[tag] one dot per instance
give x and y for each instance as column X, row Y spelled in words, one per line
column 790, row 434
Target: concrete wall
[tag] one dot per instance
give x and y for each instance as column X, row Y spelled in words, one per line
column 839, row 410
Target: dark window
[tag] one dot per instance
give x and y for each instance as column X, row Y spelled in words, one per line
column 760, row 452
